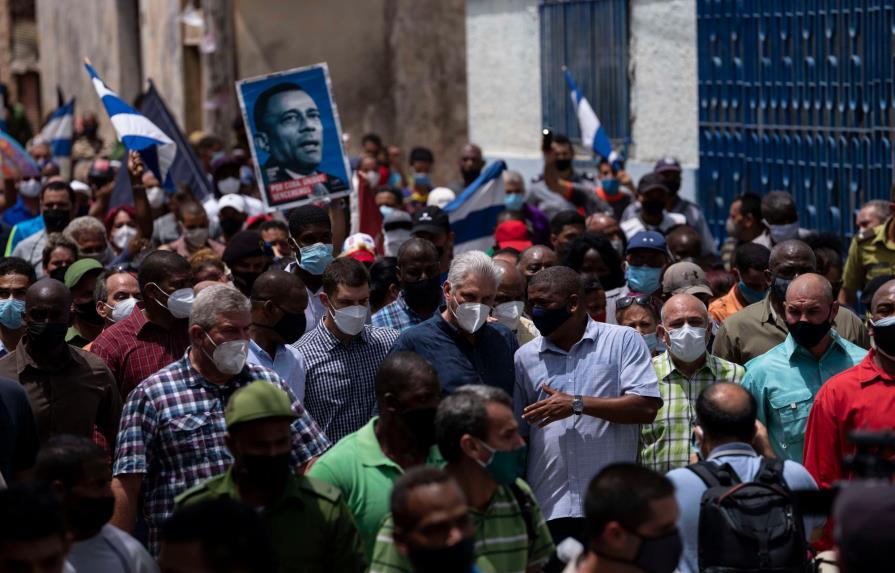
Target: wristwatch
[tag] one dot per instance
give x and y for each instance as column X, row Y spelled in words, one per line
column 577, row 405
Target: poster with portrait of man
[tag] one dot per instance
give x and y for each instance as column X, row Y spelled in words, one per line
column 295, row 136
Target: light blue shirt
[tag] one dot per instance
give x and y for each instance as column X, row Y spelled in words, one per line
column 288, row 363
column 784, row 381
column 688, row 489
column 608, row 362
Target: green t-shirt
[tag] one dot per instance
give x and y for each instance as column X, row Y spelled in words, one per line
column 502, row 544
column 364, row 475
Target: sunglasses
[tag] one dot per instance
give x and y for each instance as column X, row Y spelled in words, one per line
column 626, row 301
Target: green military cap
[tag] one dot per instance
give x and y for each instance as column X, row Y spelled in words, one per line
column 257, row 401
column 75, row 272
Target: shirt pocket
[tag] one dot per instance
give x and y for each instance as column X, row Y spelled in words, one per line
column 192, row 435
column 792, row 409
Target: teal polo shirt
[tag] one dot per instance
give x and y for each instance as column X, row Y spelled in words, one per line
column 785, row 380
column 365, row 475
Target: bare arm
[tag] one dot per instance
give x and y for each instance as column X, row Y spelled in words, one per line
column 627, row 409
column 101, row 204
column 126, row 489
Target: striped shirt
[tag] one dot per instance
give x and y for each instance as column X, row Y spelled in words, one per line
column 340, row 378
column 667, row 443
column 172, row 431
column 502, row 543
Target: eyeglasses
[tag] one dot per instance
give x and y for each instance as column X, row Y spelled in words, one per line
column 626, row 301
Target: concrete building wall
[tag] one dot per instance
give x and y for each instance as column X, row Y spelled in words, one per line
column 161, row 44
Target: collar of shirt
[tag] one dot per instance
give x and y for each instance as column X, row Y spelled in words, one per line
column 329, row 339
column 868, row 372
column 666, row 366
column 792, row 348
column 881, row 236
column 770, row 316
column 193, row 378
column 24, row 360
column 253, row 346
column 732, row 449
column 402, row 304
column 591, row 331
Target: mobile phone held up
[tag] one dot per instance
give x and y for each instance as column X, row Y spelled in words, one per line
column 546, row 139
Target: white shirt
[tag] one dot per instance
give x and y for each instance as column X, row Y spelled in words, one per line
column 633, row 226
column 288, row 363
column 111, row 551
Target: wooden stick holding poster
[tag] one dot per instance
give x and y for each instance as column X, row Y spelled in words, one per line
column 295, row 137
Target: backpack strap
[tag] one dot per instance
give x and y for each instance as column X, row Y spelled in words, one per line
column 525, row 506
column 713, row 475
column 770, row 472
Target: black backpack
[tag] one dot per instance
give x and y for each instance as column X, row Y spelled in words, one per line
column 749, row 527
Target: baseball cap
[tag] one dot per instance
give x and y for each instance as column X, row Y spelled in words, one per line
column 80, row 187
column 440, row 196
column 256, row 401
column 667, row 164
column 241, row 245
column 397, row 220
column 431, row 220
column 232, row 200
column 512, row 234
column 651, row 240
column 685, row 277
column 864, row 519
column 360, row 246
column 75, row 272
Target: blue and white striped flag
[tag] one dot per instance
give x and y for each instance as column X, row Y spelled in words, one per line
column 136, row 132
column 473, row 215
column 592, row 131
column 58, row 133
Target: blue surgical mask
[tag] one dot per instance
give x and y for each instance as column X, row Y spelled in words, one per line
column 644, row 280
column 651, row 340
column 385, row 210
column 610, row 186
column 751, row 295
column 514, row 201
column 11, row 311
column 780, row 233
column 314, row 258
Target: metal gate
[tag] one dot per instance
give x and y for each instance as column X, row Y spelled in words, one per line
column 796, row 96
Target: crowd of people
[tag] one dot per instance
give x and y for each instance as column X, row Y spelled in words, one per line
column 201, row 386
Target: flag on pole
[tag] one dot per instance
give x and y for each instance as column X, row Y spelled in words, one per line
column 136, row 132
column 58, row 133
column 473, row 215
column 592, row 132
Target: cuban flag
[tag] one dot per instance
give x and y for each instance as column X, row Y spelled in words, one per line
column 58, row 133
column 592, row 131
column 473, row 215
column 136, row 132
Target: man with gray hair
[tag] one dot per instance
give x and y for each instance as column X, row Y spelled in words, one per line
column 90, row 235
column 459, row 339
column 172, row 429
column 684, row 370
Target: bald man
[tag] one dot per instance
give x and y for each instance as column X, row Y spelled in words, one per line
column 71, row 391
column 684, row 244
column 279, row 300
column 860, row 398
column 785, row 379
column 471, row 163
column 509, row 304
column 535, row 258
column 725, row 429
column 684, row 370
column 761, row 326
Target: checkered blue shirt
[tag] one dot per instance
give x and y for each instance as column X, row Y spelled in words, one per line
column 172, row 431
column 339, row 378
column 396, row 315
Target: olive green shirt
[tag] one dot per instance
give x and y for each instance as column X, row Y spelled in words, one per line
column 870, row 255
column 311, row 528
column 73, row 337
column 757, row 328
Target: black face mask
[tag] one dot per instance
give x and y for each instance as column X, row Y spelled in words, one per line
column 291, row 326
column 423, row 294
column 59, row 274
column 457, row 558
column 470, row 176
column 55, row 220
column 653, row 207
column 265, row 473
column 778, row 288
column 230, row 226
column 90, row 514
column 86, row 311
column 808, row 334
column 547, row 320
column 655, row 554
column 562, row 164
column 46, row 336
column 421, row 423
column 244, row 281
column 884, row 337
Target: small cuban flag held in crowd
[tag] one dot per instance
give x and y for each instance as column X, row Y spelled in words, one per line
column 58, row 133
column 473, row 214
column 136, row 132
column 592, row 131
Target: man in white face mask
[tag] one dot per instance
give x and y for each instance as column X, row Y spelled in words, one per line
column 343, row 351
column 684, row 370
column 174, row 427
column 509, row 304
column 459, row 340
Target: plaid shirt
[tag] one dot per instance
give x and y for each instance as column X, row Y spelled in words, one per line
column 172, row 431
column 135, row 349
column 339, row 379
column 666, row 444
column 397, row 315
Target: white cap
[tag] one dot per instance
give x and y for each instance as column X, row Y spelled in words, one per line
column 439, row 197
column 232, row 200
column 80, row 187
